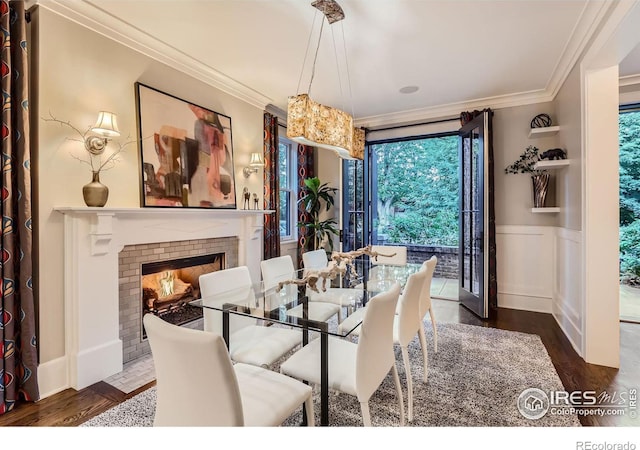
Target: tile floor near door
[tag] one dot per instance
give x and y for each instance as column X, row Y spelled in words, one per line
column 444, row 288
column 629, row 303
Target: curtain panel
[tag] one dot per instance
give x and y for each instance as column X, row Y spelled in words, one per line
column 271, row 183
column 18, row 350
column 306, row 169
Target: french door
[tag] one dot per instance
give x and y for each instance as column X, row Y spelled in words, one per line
column 473, row 251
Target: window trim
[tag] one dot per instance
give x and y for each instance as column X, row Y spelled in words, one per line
column 292, row 188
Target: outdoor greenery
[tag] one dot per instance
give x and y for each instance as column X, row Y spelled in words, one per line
column 417, row 191
column 318, row 197
column 630, row 193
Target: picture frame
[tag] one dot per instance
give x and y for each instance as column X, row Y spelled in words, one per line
column 186, row 153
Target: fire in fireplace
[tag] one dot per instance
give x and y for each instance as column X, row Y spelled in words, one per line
column 169, row 286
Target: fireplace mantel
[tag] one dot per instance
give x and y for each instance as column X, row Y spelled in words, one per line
column 93, row 237
column 191, row 221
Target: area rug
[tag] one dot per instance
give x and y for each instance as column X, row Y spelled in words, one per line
column 474, row 380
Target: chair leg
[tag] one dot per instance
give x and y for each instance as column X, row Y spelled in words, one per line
column 407, row 369
column 423, row 346
column 396, row 380
column 308, row 407
column 366, row 416
column 435, row 330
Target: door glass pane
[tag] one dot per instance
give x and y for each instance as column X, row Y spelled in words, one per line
column 466, row 206
column 476, row 237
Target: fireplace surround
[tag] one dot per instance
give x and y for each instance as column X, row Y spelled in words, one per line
column 93, row 241
column 141, row 265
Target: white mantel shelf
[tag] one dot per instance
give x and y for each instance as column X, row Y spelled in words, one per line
column 191, row 220
column 215, row 213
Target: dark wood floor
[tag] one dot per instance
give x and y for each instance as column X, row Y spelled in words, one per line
column 71, row 408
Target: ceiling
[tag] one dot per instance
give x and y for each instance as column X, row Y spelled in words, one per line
column 460, row 54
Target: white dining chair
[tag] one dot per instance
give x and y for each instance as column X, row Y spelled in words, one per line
column 407, row 324
column 344, row 297
column 356, row 369
column 249, row 341
column 278, row 269
column 198, row 385
column 426, row 306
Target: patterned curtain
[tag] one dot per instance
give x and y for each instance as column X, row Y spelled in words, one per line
column 271, row 187
column 18, row 351
column 465, row 118
column 306, row 169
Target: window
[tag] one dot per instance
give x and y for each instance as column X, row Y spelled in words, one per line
column 288, row 189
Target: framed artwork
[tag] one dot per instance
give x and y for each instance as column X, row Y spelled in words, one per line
column 186, row 153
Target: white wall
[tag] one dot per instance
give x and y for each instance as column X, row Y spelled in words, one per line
column 514, row 192
column 79, row 73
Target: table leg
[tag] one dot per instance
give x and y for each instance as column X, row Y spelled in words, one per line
column 225, row 327
column 324, row 379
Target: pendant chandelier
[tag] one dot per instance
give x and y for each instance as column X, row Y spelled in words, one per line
column 317, row 125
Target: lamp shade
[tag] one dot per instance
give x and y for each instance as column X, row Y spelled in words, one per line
column 311, row 123
column 106, row 125
column 256, row 160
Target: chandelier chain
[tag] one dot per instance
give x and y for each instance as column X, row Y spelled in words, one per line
column 335, row 52
column 315, row 58
column 346, row 61
column 306, row 53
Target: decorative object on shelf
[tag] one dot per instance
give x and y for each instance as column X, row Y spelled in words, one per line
column 189, row 162
column 317, row 125
column 540, row 187
column 539, row 177
column 255, row 201
column 247, row 196
column 316, row 197
column 342, row 263
column 95, row 140
column 554, row 153
column 255, row 163
column 541, row 121
column 95, row 193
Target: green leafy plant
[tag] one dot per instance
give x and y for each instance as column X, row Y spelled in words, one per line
column 630, row 249
column 526, row 162
column 318, row 197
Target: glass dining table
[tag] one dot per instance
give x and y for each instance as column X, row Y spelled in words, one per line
column 288, row 305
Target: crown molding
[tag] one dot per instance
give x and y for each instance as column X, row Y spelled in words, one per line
column 91, row 16
column 586, row 26
column 454, row 109
column 630, row 80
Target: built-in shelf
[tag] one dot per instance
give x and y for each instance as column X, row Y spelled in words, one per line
column 552, row 164
column 543, row 131
column 553, row 209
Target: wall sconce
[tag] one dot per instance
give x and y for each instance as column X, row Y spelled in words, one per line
column 254, row 164
column 107, row 127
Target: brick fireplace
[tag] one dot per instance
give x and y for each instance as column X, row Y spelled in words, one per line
column 97, row 240
column 148, row 260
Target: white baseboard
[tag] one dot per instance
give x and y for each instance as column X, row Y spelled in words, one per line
column 96, row 364
column 53, row 377
column 524, row 302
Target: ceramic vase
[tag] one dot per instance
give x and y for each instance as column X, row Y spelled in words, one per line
column 95, row 193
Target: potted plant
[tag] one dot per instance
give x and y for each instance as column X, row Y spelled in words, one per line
column 539, row 177
column 318, row 197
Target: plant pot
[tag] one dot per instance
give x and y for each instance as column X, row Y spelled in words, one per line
column 540, row 188
column 95, row 193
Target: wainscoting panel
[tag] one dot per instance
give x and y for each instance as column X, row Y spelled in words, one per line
column 567, row 296
column 525, row 267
